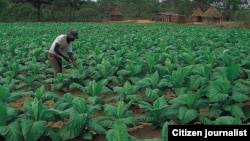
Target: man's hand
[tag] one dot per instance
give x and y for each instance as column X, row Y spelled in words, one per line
column 73, row 63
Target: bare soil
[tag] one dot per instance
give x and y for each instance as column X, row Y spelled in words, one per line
column 225, row 24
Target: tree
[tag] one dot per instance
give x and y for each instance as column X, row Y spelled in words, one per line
column 3, row 4
column 37, row 4
column 229, row 7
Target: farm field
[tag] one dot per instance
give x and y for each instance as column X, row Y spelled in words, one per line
column 131, row 82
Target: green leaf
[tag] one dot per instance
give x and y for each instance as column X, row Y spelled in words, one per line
column 33, row 130
column 237, row 111
column 180, row 100
column 144, row 82
column 233, row 71
column 164, row 83
column 155, row 78
column 196, row 81
column 39, row 92
column 77, row 120
column 119, row 111
column 160, row 103
column 145, row 105
column 205, row 120
column 239, row 97
column 169, row 66
column 227, row 120
column 187, row 115
column 165, row 132
column 12, row 113
column 214, row 111
column 31, row 79
column 152, row 94
column 123, row 72
column 94, row 88
column 94, row 124
column 36, row 108
column 118, row 132
column 67, row 133
column 178, row 76
column 4, row 93
column 3, row 113
column 79, row 104
column 68, row 97
column 221, row 85
column 87, row 136
column 12, row 132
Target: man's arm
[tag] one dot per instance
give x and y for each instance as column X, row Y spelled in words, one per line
column 56, row 49
column 71, row 56
column 72, row 60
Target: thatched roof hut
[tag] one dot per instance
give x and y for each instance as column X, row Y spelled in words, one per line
column 169, row 17
column 197, row 15
column 116, row 15
column 212, row 15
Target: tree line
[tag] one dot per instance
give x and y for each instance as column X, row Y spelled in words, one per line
column 99, row 10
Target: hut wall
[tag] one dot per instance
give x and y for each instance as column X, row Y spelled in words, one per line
column 166, row 18
column 162, row 18
column 169, row 18
column 178, row 19
column 116, row 18
column 197, row 19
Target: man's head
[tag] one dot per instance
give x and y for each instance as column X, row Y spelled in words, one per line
column 72, row 35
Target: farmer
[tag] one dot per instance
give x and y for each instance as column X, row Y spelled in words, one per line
column 61, row 45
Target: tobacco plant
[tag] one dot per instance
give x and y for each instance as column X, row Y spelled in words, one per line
column 121, row 112
column 126, row 92
column 158, row 112
column 9, row 126
column 95, row 88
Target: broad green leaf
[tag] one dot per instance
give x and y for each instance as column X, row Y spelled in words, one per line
column 12, row 132
column 239, row 97
column 197, row 81
column 33, row 130
column 233, row 71
column 39, row 92
column 79, row 105
column 118, row 132
column 123, row 72
column 165, row 132
column 227, row 120
column 87, row 136
column 237, row 111
column 4, row 93
column 77, row 120
column 155, row 78
column 36, row 108
column 94, row 124
column 67, row 133
column 214, row 111
column 3, row 113
column 152, row 94
column 205, row 120
column 187, row 115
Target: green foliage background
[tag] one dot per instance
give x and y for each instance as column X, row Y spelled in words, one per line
column 91, row 11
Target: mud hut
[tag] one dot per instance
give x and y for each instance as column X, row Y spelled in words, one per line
column 116, row 15
column 212, row 15
column 197, row 15
column 169, row 17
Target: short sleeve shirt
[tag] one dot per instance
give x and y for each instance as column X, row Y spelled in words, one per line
column 64, row 45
